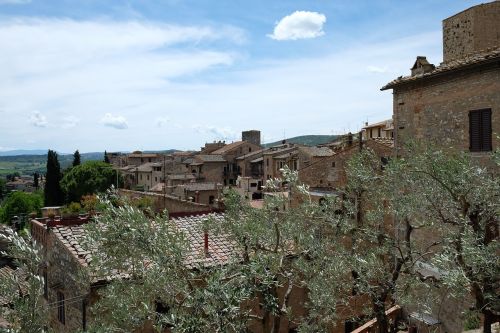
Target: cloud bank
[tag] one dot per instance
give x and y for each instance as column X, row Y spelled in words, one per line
column 37, row 119
column 299, row 25
column 117, row 122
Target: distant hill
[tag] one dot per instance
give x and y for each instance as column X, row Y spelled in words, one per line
column 307, row 140
column 23, row 152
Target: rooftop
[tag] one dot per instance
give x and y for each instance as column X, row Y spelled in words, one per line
column 210, row 158
column 228, row 147
column 317, row 151
column 484, row 57
column 200, row 186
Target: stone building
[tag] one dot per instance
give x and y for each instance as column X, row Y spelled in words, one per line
column 456, row 104
column 382, row 129
column 230, row 152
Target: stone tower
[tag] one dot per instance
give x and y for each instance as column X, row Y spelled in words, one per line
column 252, row 136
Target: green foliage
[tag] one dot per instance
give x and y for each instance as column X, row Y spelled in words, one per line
column 20, row 203
column 3, row 188
column 88, row 178
column 52, row 192
column 27, row 311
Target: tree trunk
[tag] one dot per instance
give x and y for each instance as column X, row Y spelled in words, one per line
column 382, row 322
column 489, row 319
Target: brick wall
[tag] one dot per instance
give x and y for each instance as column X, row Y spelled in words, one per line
column 171, row 203
column 472, row 30
column 437, row 110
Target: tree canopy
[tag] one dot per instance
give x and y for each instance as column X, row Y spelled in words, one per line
column 88, row 178
column 52, row 191
column 76, row 158
column 20, row 203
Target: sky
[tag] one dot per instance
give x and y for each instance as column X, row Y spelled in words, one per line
column 160, row 74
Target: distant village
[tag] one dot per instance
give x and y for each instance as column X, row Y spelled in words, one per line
column 453, row 105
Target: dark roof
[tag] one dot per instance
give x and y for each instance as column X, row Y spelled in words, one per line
column 242, row 157
column 221, row 250
column 210, row 158
column 483, row 57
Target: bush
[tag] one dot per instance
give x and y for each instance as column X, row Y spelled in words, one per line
column 20, row 203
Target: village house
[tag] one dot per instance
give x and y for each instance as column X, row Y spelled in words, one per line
column 456, row 104
column 382, row 129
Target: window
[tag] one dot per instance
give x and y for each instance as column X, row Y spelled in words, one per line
column 249, row 149
column 148, row 177
column 333, row 164
column 61, row 314
column 211, row 199
column 480, row 130
column 379, row 132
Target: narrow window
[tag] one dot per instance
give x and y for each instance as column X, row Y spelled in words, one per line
column 480, row 130
column 84, row 315
column 211, row 199
column 61, row 314
column 379, row 132
column 333, row 164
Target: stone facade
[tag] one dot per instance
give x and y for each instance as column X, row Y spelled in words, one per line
column 470, row 31
column 437, row 110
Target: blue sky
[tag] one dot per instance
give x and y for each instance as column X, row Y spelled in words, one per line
column 127, row 75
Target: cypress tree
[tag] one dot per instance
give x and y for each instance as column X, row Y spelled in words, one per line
column 106, row 158
column 52, row 193
column 35, row 181
column 76, row 158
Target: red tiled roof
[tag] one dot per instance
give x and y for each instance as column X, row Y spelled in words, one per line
column 483, row 57
column 221, row 250
column 228, row 147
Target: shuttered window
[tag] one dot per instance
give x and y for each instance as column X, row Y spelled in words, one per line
column 61, row 311
column 480, row 130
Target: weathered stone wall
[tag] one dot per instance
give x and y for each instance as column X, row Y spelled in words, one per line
column 171, row 203
column 62, row 274
column 212, row 172
column 472, row 30
column 437, row 110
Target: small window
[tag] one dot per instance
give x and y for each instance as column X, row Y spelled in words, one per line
column 333, row 164
column 61, row 313
column 148, row 177
column 480, row 130
column 249, row 149
column 379, row 132
column 211, row 199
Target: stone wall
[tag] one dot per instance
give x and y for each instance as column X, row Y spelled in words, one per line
column 472, row 30
column 437, row 110
column 171, row 203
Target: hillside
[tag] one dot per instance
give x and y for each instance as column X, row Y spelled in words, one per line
column 308, row 140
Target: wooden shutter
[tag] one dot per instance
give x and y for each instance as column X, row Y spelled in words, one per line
column 480, row 130
column 486, row 130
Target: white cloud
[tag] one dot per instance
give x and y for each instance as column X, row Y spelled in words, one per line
column 376, row 69
column 299, row 25
column 37, row 119
column 118, row 122
column 70, row 122
column 14, row 2
column 218, row 133
column 162, row 121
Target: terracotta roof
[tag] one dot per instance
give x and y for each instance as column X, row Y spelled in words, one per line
column 286, row 155
column 257, row 160
column 221, row 250
column 71, row 237
column 242, row 157
column 483, row 57
column 228, row 147
column 146, row 155
column 317, row 151
column 210, row 158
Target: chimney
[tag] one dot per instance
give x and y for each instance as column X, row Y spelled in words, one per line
column 205, row 234
column 421, row 66
column 349, row 139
